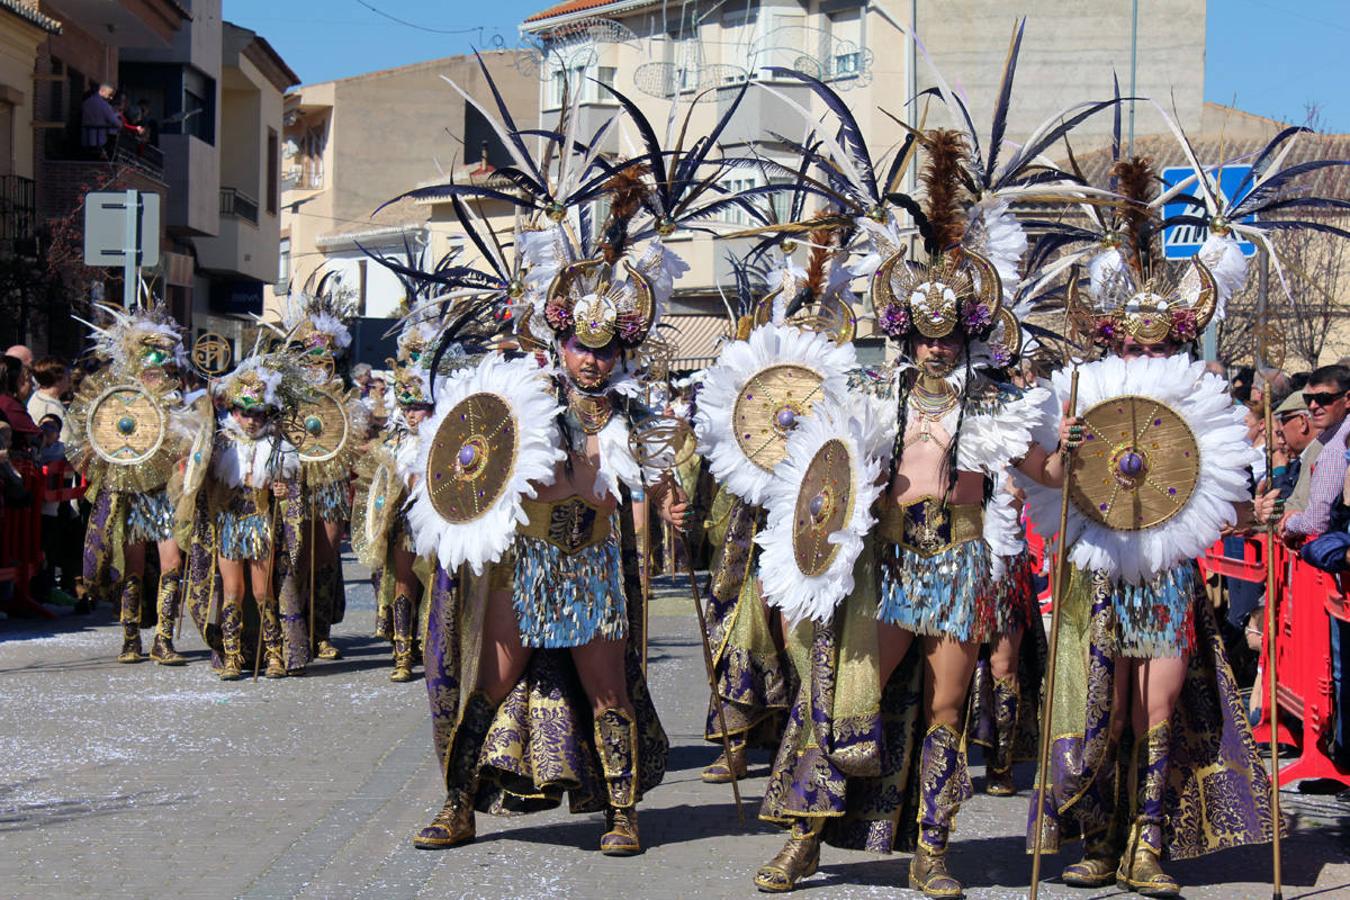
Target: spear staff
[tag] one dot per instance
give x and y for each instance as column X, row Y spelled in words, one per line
column 1061, row 571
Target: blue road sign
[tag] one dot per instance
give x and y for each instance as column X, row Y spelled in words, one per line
column 1183, row 241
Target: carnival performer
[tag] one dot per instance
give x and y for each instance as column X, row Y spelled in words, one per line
column 128, row 432
column 753, row 675
column 1152, row 744
column 314, row 324
column 253, row 494
column 927, row 589
column 381, row 535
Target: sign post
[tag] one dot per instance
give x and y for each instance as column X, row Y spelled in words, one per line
column 1181, row 242
column 121, row 228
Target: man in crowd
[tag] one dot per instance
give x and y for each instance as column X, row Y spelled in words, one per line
column 1326, row 399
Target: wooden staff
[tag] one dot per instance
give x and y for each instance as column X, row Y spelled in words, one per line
column 1061, row 565
column 1274, row 709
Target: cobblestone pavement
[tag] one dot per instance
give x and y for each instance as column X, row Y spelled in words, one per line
column 144, row 781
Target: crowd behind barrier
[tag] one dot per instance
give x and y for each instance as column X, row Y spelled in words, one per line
column 21, row 555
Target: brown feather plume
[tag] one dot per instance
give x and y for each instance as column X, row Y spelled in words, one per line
column 822, row 247
column 943, row 185
column 626, row 191
column 1136, row 181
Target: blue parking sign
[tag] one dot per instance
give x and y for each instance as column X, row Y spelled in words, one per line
column 1183, row 241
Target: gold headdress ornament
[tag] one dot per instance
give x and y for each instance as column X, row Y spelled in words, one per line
column 961, row 293
column 140, row 339
column 412, row 385
column 586, row 300
column 1156, row 313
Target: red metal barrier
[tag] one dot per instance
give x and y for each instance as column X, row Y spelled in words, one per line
column 21, row 542
column 61, row 483
column 1305, row 596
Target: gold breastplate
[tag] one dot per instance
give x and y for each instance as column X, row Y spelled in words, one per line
column 570, row 524
column 928, row 528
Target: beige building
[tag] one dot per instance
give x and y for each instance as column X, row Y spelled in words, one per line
column 352, row 145
column 702, row 52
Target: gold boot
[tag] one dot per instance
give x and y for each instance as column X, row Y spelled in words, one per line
column 1141, row 867
column 799, row 858
column 998, row 778
column 944, row 784
column 231, row 626
column 403, row 628
column 270, row 623
column 1096, row 869
column 161, row 651
column 454, row 824
column 928, row 873
column 721, row 770
column 616, row 741
column 131, row 622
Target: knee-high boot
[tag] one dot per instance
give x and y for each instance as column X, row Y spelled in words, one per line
column 403, row 639
column 616, row 739
column 454, row 824
column 1101, row 850
column 162, row 651
column 1141, row 866
column 269, row 621
column 943, row 786
column 130, row 617
column 999, row 781
column 325, row 610
column 231, row 635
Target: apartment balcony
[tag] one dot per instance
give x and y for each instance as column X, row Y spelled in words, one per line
column 18, row 208
column 124, row 151
column 235, row 204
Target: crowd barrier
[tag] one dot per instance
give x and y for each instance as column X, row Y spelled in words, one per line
column 1306, row 599
column 21, row 557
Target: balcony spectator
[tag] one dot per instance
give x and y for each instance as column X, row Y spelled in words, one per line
column 16, row 384
column 53, row 381
column 100, row 122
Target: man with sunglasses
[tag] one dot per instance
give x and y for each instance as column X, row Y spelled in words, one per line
column 1327, row 400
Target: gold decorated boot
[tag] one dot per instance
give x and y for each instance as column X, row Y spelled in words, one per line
column 1101, row 851
column 724, row 768
column 1141, row 867
column 270, row 623
column 325, row 611
column 130, row 618
column 799, row 858
column 616, row 740
column 403, row 639
column 161, row 651
column 231, row 628
column 943, row 785
column 999, row 780
column 454, row 824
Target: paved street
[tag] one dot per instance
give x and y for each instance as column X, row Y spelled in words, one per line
column 144, row 781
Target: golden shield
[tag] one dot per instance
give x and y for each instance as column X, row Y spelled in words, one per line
column 1137, row 466
column 126, row 425
column 381, row 504
column 824, row 504
column 198, row 461
column 769, row 407
column 472, row 457
column 320, row 428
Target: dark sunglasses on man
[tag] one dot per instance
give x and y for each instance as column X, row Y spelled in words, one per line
column 1322, row 398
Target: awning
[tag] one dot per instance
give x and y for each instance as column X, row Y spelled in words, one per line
column 697, row 339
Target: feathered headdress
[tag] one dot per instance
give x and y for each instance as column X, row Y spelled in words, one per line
column 265, row 383
column 316, row 319
column 139, row 339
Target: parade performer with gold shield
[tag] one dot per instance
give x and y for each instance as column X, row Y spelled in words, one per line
column 794, row 348
column 128, row 432
column 314, row 324
column 381, row 535
column 1150, row 743
column 255, row 514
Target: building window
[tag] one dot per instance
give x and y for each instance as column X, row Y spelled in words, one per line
column 735, row 214
column 582, row 78
column 273, row 166
column 284, row 266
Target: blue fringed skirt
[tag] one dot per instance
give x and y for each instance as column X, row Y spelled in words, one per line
column 150, row 518
column 948, row 594
column 568, row 600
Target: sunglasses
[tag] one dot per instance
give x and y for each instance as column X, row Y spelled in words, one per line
column 1322, row 398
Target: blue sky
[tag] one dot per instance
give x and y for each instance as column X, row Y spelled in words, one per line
column 1270, row 57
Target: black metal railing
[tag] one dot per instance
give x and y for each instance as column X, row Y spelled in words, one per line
column 120, row 150
column 18, row 208
column 239, row 205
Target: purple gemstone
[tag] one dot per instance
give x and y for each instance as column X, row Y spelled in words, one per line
column 749, row 396
column 468, row 454
column 1131, row 464
column 1157, row 423
column 1103, row 507
column 1172, row 491
column 1091, row 437
column 786, row 418
column 440, row 475
column 816, row 505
